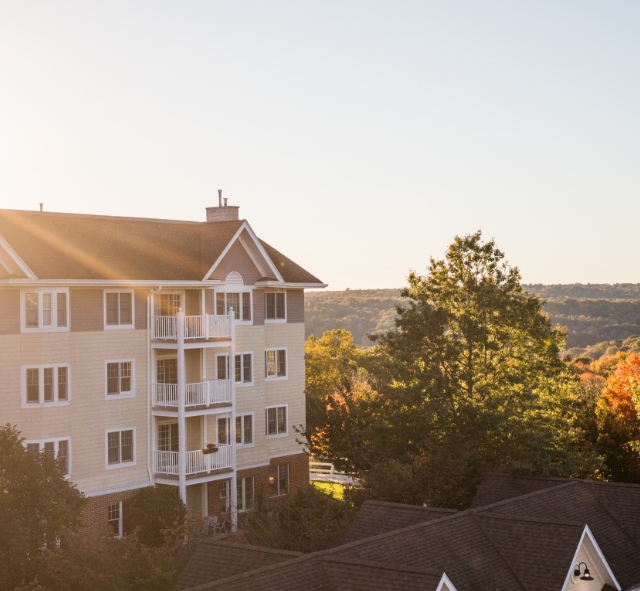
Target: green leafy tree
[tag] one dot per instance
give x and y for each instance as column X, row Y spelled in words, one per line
column 37, row 503
column 331, row 362
column 469, row 381
column 309, row 520
column 155, row 510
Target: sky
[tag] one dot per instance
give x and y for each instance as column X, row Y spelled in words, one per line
column 357, row 137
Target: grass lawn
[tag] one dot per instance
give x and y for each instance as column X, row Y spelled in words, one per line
column 329, row 488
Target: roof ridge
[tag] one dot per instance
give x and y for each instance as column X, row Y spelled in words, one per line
column 408, row 506
column 372, row 564
column 252, row 547
column 531, row 494
column 110, row 217
column 529, row 519
column 620, row 525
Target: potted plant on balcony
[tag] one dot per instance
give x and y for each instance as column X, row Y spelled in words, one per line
column 210, row 448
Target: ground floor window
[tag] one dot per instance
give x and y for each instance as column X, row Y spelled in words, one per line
column 278, row 480
column 245, row 498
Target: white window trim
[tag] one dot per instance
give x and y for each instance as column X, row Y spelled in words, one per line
column 277, row 378
column 235, row 289
column 226, row 417
column 42, row 403
column 232, row 368
column 253, row 430
column 55, row 440
column 278, row 493
column 275, row 320
column 286, row 424
column 133, row 310
column 109, row 466
column 244, row 493
column 54, row 310
column 120, row 518
column 132, row 393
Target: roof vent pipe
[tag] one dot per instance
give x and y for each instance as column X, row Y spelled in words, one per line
column 41, row 205
column 219, row 197
column 225, row 202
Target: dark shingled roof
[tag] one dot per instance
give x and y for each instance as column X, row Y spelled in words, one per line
column 73, row 246
column 497, row 487
column 213, row 560
column 378, row 517
column 497, row 546
column 322, row 572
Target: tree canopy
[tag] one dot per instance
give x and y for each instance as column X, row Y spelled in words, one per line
column 468, row 381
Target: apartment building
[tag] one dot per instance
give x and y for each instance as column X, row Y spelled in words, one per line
column 146, row 351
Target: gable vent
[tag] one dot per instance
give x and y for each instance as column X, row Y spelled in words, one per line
column 234, row 278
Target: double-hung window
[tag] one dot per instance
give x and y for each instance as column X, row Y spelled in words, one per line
column 120, row 379
column 278, row 480
column 60, row 448
column 245, row 498
column 242, row 368
column 45, row 309
column 275, row 363
column 276, row 420
column 121, row 447
column 239, row 301
column 118, row 517
column 275, row 306
column 244, row 429
column 46, row 385
column 118, row 309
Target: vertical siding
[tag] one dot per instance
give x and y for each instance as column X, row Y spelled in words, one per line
column 10, row 316
column 141, row 308
column 237, row 260
column 192, row 302
column 209, row 301
column 258, row 306
column 86, row 310
column 295, row 305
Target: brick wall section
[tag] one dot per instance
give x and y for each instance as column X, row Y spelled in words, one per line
column 295, row 305
column 237, row 260
column 86, row 310
column 141, row 308
column 9, row 311
column 298, row 478
column 96, row 516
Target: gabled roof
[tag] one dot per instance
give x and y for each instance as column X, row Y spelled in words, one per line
column 378, row 517
column 528, row 543
column 90, row 247
column 213, row 560
column 325, row 572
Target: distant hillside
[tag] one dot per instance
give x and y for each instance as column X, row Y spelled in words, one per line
column 598, row 318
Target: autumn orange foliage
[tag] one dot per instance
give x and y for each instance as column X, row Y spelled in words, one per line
column 620, row 398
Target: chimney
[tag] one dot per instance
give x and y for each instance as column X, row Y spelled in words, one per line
column 222, row 213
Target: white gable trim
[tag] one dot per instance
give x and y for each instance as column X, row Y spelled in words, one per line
column 14, row 258
column 245, row 226
column 446, row 584
column 607, row 576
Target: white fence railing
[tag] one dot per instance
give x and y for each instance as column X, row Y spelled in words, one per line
column 196, row 394
column 166, row 462
column 325, row 468
column 206, row 326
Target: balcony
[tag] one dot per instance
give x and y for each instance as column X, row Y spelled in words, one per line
column 203, row 393
column 205, row 326
column 166, row 462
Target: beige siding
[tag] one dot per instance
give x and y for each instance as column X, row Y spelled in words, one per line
column 86, row 310
column 89, row 414
column 295, row 305
column 10, row 311
column 237, row 260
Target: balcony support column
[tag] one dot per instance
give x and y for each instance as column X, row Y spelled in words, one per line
column 232, row 426
column 182, row 423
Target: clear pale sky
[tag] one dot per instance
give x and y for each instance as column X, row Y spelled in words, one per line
column 357, row 137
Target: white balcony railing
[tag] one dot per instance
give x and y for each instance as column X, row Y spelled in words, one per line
column 206, row 326
column 197, row 394
column 166, row 462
